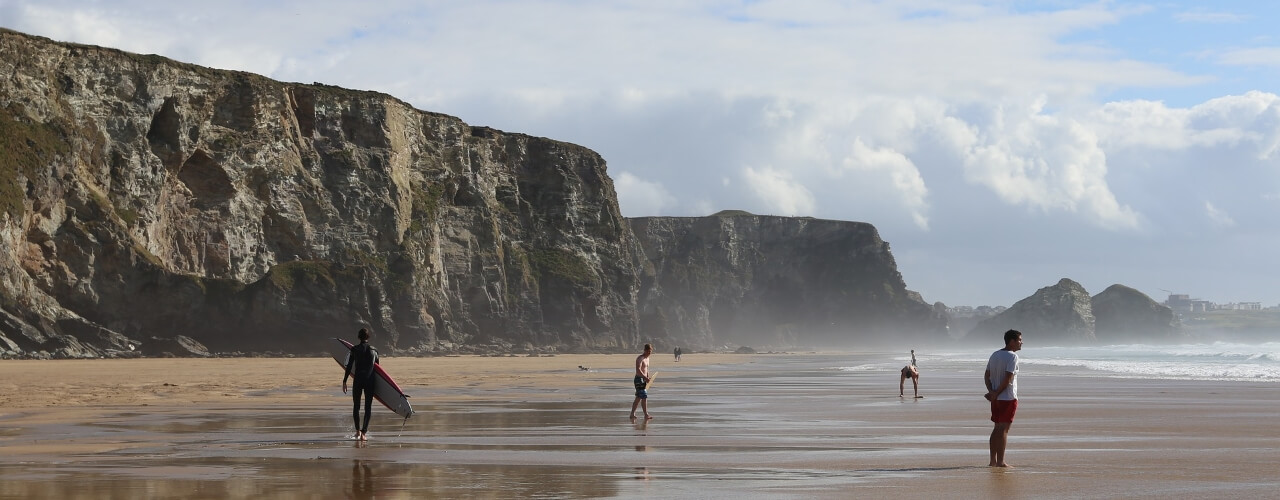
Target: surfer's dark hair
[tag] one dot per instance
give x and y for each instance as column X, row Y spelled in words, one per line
column 364, row 334
column 1009, row 335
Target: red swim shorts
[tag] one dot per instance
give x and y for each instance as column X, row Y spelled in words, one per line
column 1002, row 411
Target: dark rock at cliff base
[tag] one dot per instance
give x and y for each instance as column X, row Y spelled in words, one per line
column 1058, row 314
column 775, row 281
column 179, row 346
column 1123, row 314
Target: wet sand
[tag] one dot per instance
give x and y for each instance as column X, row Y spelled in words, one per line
column 755, row 426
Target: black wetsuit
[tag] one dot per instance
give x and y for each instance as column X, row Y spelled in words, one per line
column 360, row 367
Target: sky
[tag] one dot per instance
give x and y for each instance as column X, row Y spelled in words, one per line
column 998, row 146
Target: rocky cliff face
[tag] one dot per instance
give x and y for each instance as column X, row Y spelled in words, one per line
column 777, row 281
column 143, row 199
column 153, row 207
column 1125, row 314
column 1058, row 314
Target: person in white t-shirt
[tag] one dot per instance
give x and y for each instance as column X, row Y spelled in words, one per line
column 1002, row 391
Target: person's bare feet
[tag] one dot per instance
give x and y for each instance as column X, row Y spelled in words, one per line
column 648, row 417
column 1001, row 465
column 633, row 416
column 363, row 437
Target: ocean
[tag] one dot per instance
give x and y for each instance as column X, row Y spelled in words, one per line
column 1217, row 361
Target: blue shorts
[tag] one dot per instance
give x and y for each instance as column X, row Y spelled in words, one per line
column 640, row 392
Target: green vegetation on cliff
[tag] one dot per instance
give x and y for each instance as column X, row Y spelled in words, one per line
column 562, row 264
column 286, row 275
column 25, row 147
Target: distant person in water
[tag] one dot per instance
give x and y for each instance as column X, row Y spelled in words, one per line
column 677, row 354
column 1002, row 391
column 360, row 369
column 910, row 372
column 640, row 381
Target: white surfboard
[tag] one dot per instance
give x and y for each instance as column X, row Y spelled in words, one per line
column 385, row 389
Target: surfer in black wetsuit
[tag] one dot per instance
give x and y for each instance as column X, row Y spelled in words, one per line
column 360, row 369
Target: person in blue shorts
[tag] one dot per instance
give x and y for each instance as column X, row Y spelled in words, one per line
column 640, row 381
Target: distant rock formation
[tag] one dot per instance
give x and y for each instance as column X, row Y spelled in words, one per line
column 1058, row 314
column 775, row 281
column 1064, row 314
column 1124, row 314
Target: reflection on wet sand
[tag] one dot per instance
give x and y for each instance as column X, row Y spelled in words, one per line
column 361, row 481
column 791, row 429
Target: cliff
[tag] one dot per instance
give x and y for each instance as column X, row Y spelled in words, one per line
column 778, row 281
column 152, row 207
column 148, row 204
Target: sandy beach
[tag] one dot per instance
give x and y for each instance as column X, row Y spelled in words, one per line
column 756, row 426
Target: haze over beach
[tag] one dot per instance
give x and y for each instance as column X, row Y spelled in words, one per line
column 997, row 146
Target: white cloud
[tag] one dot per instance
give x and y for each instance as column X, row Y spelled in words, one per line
column 779, row 192
column 76, row 25
column 639, row 197
column 1048, row 163
column 1218, row 216
column 904, row 178
column 1254, row 56
column 1250, row 122
column 777, row 47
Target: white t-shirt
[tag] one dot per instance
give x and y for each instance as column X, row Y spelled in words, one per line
column 1002, row 363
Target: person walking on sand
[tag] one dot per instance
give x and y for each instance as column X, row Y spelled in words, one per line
column 910, row 372
column 360, row 369
column 642, row 380
column 1002, row 391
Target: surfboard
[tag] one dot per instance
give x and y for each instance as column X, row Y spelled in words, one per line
column 650, row 382
column 385, row 389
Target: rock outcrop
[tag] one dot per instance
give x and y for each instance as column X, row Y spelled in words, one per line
column 775, row 281
column 1123, row 314
column 1054, row 315
column 1064, row 314
column 144, row 198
